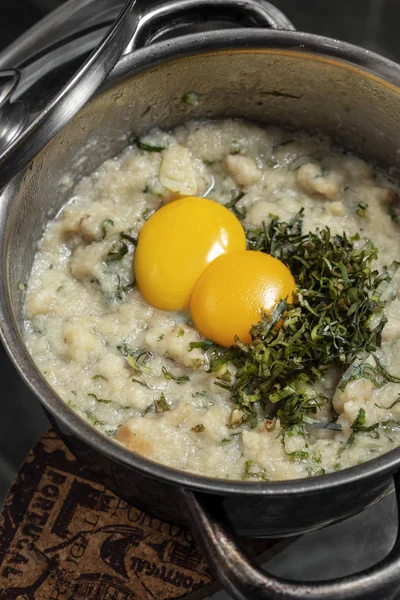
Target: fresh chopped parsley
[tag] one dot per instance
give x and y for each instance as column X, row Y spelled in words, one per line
column 104, row 226
column 329, row 324
column 100, row 400
column 198, row 428
column 138, row 364
column 159, row 406
column 362, row 209
column 232, row 204
column 178, row 379
column 253, row 471
column 128, row 238
column 149, row 148
column 116, row 252
column 181, row 333
column 191, row 98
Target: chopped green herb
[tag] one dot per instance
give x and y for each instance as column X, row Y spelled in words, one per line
column 191, row 98
column 160, row 337
column 178, row 379
column 391, row 406
column 232, row 204
column 138, row 364
column 161, row 404
column 60, row 287
column 142, row 383
column 328, row 324
column 110, row 432
column 106, row 223
column 92, row 419
column 148, row 148
column 201, row 394
column 198, row 428
column 146, row 214
column 298, row 454
column 362, row 209
column 50, row 267
column 206, row 345
column 95, row 377
column 235, row 147
column 181, row 333
column 254, row 472
column 128, row 238
column 116, row 252
column 100, row 400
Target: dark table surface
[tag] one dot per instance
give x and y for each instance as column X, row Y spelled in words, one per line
column 369, row 23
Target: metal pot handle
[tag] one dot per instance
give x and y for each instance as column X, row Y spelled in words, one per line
column 169, row 16
column 243, row 579
column 19, row 143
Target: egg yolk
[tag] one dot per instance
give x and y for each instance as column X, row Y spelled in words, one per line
column 234, row 293
column 178, row 243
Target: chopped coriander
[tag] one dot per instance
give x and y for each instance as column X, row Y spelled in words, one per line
column 328, row 324
column 160, row 337
column 362, row 209
column 128, row 238
column 100, row 400
column 138, row 364
column 110, row 432
column 391, row 405
column 191, row 98
column 161, row 404
column 254, row 471
column 146, row 214
column 178, row 379
column 205, row 345
column 149, row 148
column 92, row 419
column 198, row 428
column 142, row 383
column 116, row 252
column 231, row 205
column 95, row 377
column 181, row 333
column 106, row 223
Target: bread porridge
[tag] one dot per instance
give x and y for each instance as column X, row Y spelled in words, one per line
column 314, row 389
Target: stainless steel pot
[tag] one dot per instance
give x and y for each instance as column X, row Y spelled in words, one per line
column 268, row 73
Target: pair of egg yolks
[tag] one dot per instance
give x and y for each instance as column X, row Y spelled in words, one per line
column 192, row 253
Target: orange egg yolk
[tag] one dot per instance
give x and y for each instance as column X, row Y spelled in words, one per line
column 178, row 243
column 234, row 293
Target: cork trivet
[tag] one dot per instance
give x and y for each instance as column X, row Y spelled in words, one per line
column 64, row 536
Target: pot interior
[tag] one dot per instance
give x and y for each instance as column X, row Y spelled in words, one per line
column 289, row 87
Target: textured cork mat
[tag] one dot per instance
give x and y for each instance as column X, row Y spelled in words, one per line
column 64, row 536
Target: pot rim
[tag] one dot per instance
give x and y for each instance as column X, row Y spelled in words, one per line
column 350, row 56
